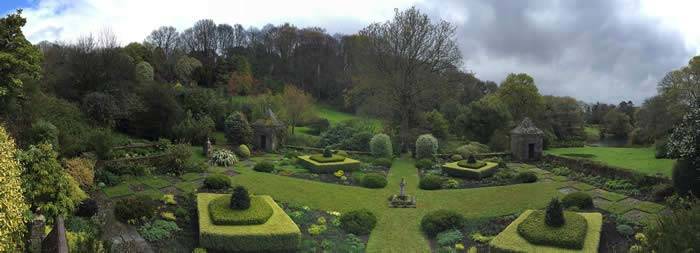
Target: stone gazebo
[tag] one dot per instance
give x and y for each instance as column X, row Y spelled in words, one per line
column 268, row 132
column 526, row 141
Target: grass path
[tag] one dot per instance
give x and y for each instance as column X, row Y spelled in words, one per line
column 398, row 229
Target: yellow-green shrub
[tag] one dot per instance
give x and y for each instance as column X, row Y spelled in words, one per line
column 82, row 170
column 12, row 203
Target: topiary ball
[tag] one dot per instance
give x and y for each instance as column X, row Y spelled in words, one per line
column 526, row 177
column 374, row 180
column 554, row 216
column 243, row 151
column 264, row 166
column 217, row 182
column 441, row 220
column 431, row 182
column 358, row 222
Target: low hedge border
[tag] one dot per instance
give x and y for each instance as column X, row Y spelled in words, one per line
column 322, row 159
column 222, row 214
column 278, row 234
column 466, row 164
column 510, row 241
column 453, row 169
column 571, row 235
column 348, row 164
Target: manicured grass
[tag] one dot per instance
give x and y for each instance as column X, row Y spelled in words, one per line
column 638, row 159
column 398, row 230
column 222, row 214
column 649, row 207
column 617, row 208
column 191, row 176
column 151, row 193
column 119, row 190
column 155, row 182
column 197, row 154
column 614, row 197
column 510, row 240
column 334, row 117
column 187, row 187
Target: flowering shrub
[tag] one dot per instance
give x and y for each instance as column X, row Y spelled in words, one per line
column 339, row 173
column 222, row 157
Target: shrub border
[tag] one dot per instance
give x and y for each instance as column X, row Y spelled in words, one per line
column 348, row 164
column 453, row 169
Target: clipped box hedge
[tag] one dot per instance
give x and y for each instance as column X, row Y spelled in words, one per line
column 347, row 164
column 453, row 169
column 278, row 234
column 511, row 241
column 222, row 214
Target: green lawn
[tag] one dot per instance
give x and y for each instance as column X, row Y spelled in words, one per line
column 398, row 229
column 638, row 159
column 335, row 116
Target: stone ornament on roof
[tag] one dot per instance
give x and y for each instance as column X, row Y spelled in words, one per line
column 527, row 127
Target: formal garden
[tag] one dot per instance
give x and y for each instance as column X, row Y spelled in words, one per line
column 243, row 148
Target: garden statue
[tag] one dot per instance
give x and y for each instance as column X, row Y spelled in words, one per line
column 402, row 192
column 207, row 147
column 402, row 200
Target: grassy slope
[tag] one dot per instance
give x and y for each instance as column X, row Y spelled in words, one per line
column 639, row 159
column 335, row 117
column 398, row 229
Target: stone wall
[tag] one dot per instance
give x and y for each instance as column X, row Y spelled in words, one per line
column 519, row 147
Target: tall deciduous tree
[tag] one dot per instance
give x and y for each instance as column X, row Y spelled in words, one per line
column 299, row 105
column 12, row 203
column 409, row 51
column 164, row 38
column 521, row 96
column 18, row 57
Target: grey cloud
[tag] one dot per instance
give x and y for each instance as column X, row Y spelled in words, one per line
column 593, row 50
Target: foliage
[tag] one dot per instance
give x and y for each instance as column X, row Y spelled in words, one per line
column 456, row 157
column 424, row 164
column 676, row 232
column 44, row 132
column 526, row 177
column 625, row 230
column 134, row 208
column 46, row 185
column 471, row 163
column 450, row 184
column 437, row 124
column 82, row 170
column 87, row 208
column 431, row 182
column 19, row 58
column 662, row 191
column 327, row 153
column 482, row 118
column 217, row 182
column 318, row 125
column 426, row 146
column 383, row 162
column 374, row 180
column 570, row 235
column 237, row 129
column 347, row 164
column 223, row 157
column 144, row 72
column 221, row 212
column 243, row 151
column 520, row 95
column 194, row 129
column 455, row 170
column 581, row 200
column 554, row 216
column 264, row 166
column 617, row 124
column 380, row 146
column 185, row 67
column 240, row 199
column 278, row 234
column 12, row 203
column 441, row 220
column 358, row 222
column 299, row 105
column 349, row 135
column 101, row 141
column 449, row 237
column 686, row 177
column 158, row 230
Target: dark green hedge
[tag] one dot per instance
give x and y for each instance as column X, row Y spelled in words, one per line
column 571, row 235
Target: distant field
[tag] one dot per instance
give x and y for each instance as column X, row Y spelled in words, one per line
column 335, row 116
column 638, row 159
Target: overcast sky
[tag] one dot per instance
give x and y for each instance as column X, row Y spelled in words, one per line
column 594, row 50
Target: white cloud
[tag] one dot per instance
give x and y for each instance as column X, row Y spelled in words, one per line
column 133, row 20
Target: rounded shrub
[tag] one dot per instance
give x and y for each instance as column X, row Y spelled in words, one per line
column 456, row 157
column 581, row 200
column 342, row 153
column 87, row 208
column 358, row 222
column 243, row 151
column 625, row 230
column 264, row 166
column 133, row 208
column 431, row 182
column 383, row 162
column 222, row 157
column 426, row 146
column 526, row 177
column 240, row 199
column 424, row 164
column 374, row 180
column 217, row 182
column 686, row 178
column 380, row 145
column 441, row 220
column 44, row 132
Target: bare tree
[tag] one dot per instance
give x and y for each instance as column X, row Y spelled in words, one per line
column 411, row 53
column 226, row 37
column 165, row 38
column 106, row 39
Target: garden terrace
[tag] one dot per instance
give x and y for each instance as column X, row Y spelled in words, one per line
column 510, row 240
column 346, row 164
column 472, row 171
column 278, row 233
